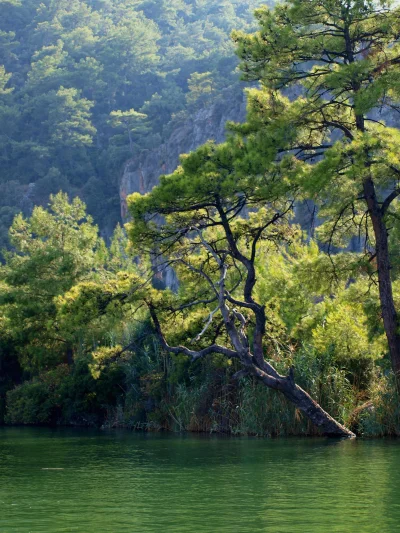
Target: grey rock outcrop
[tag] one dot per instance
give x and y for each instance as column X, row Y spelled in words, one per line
column 141, row 173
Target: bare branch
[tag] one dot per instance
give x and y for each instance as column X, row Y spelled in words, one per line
column 208, row 324
column 194, row 355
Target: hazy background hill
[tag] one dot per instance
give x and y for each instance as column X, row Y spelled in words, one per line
column 76, row 76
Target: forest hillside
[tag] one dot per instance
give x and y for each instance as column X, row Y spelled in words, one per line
column 87, row 84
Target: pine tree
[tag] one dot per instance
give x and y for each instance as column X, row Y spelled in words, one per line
column 54, row 249
column 338, row 60
column 203, row 234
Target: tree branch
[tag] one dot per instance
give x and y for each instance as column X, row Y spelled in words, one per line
column 194, row 355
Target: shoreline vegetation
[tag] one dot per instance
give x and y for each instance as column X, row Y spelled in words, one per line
column 272, row 329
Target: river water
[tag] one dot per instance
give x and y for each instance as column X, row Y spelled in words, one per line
column 84, row 481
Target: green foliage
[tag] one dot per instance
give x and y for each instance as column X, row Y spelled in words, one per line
column 64, row 395
column 131, row 122
column 68, row 67
column 36, row 402
column 66, row 297
column 380, row 415
column 71, row 120
column 201, row 88
column 4, row 79
column 310, row 309
column 53, row 250
column 337, row 79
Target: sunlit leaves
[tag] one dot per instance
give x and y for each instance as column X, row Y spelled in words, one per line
column 4, row 79
column 53, row 250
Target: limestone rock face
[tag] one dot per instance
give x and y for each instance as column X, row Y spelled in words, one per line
column 141, row 173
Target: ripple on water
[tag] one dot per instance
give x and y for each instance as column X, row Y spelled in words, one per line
column 120, row 482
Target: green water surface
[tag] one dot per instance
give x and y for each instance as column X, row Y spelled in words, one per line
column 54, row 481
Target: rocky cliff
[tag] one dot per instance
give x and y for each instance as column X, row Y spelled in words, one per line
column 140, row 174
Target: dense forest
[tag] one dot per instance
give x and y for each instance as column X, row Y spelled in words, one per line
column 270, row 331
column 85, row 84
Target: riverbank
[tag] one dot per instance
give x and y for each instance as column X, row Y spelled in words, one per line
column 216, row 405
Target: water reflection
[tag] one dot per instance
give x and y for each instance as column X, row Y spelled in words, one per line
column 97, row 482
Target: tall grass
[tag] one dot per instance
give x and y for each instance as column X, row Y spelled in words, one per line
column 380, row 416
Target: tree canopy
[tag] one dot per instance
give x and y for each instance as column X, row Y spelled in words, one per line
column 342, row 58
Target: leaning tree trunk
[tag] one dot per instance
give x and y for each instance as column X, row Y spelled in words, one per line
column 265, row 372
column 324, row 421
column 303, row 401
